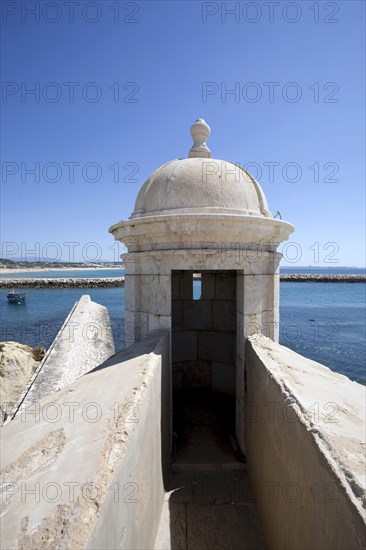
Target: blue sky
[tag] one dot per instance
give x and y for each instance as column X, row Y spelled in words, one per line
column 123, row 91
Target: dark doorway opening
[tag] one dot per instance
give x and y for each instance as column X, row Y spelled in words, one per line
column 203, row 366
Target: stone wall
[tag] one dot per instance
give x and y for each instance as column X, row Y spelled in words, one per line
column 203, row 331
column 148, row 294
column 84, row 341
column 305, row 443
column 93, row 477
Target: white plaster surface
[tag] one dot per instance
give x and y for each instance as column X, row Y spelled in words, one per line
column 200, row 184
column 84, row 341
column 96, row 472
column 305, row 432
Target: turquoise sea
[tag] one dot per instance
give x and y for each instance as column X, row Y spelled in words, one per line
column 323, row 321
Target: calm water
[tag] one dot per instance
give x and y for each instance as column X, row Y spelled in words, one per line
column 323, row 321
column 37, row 322
column 326, row 322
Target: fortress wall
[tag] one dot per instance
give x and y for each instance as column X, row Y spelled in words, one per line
column 84, row 341
column 305, row 442
column 94, row 477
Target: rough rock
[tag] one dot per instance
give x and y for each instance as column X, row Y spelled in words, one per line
column 17, row 365
column 108, row 282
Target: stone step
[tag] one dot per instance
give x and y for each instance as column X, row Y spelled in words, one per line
column 209, row 510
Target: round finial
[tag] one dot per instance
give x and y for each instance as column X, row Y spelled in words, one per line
column 200, row 132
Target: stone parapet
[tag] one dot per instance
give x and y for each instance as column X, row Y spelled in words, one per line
column 305, row 442
column 93, row 477
column 84, row 341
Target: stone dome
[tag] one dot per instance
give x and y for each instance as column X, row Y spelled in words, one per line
column 200, row 184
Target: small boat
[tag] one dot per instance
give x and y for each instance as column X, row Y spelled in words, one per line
column 16, row 297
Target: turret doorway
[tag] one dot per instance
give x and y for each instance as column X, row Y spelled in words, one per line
column 204, row 367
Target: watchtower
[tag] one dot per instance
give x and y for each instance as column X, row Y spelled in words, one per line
column 202, row 263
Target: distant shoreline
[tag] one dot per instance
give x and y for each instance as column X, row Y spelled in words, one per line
column 61, row 268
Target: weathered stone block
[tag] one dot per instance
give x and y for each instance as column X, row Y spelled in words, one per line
column 216, row 346
column 186, row 285
column 130, row 328
column 225, row 286
column 239, row 424
column 268, row 324
column 197, row 374
column 258, row 293
column 132, row 292
column 240, row 379
column 197, row 314
column 223, row 378
column 156, row 294
column 252, row 324
column 240, row 292
column 143, row 324
column 224, row 314
column 207, row 286
column 159, row 322
column 175, row 285
column 177, row 375
column 184, row 346
column 177, row 316
column 240, row 335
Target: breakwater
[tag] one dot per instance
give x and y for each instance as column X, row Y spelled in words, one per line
column 120, row 281
column 322, row 278
column 63, row 283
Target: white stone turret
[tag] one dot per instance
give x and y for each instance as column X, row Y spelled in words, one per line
column 206, row 216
